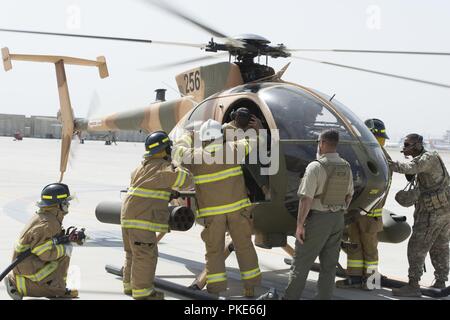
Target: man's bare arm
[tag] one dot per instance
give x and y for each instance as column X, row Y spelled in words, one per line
column 303, row 210
column 304, row 206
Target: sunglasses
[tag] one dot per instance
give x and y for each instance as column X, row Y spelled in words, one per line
column 407, row 145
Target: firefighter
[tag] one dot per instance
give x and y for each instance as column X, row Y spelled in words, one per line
column 145, row 212
column 222, row 202
column 44, row 272
column 362, row 261
column 240, row 119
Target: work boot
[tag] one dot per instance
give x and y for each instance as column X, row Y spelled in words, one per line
column 249, row 292
column 12, row 290
column 350, row 282
column 71, row 293
column 412, row 289
column 128, row 292
column 127, row 289
column 439, row 284
column 155, row 295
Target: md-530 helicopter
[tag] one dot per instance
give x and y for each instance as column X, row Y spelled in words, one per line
column 294, row 116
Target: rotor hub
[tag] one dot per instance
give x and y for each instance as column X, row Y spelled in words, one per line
column 245, row 47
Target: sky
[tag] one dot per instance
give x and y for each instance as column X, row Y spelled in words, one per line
column 405, row 107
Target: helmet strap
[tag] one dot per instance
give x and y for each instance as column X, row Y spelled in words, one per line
column 64, row 207
column 159, row 155
column 381, row 140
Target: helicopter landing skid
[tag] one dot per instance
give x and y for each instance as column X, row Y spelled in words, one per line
column 385, row 281
column 170, row 286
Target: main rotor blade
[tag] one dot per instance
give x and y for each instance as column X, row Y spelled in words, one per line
column 192, row 20
column 183, row 62
column 443, row 85
column 372, row 51
column 194, row 45
column 179, row 14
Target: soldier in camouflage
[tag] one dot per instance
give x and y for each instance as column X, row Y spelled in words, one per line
column 431, row 229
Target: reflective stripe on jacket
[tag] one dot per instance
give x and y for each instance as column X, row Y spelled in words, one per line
column 375, row 213
column 227, row 208
column 38, row 236
column 149, row 193
column 145, row 207
column 219, row 184
column 218, row 176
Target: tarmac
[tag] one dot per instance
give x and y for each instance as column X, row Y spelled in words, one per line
column 97, row 173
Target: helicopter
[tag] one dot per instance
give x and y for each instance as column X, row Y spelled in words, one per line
column 293, row 114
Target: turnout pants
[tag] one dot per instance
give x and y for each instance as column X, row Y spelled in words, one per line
column 141, row 255
column 54, row 285
column 239, row 225
column 363, row 260
column 323, row 234
column 431, row 233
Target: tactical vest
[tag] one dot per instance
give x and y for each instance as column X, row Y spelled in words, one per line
column 335, row 189
column 437, row 196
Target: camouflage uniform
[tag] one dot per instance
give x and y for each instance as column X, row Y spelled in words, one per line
column 431, row 229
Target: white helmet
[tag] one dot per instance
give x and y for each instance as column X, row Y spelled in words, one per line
column 210, row 130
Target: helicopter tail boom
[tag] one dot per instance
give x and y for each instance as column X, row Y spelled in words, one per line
column 157, row 116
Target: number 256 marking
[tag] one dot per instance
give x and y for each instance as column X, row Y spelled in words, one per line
column 192, row 80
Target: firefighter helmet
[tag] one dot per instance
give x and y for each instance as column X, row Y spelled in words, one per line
column 156, row 142
column 377, row 127
column 54, row 193
column 210, row 130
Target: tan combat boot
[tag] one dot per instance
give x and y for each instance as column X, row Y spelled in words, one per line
column 439, row 284
column 412, row 289
column 71, row 293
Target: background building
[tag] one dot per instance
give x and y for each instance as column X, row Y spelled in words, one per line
column 11, row 123
column 50, row 128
